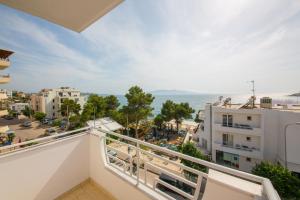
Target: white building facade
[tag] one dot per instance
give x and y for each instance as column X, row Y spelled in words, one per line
column 18, row 107
column 49, row 101
column 240, row 137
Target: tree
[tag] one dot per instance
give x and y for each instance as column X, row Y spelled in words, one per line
column 168, row 110
column 112, row 103
column 197, row 119
column 182, row 111
column 190, row 149
column 69, row 107
column 39, row 116
column 87, row 113
column 158, row 121
column 27, row 112
column 97, row 104
column 178, row 112
column 286, row 184
column 138, row 106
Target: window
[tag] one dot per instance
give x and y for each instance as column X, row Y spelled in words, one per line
column 248, row 139
column 227, row 120
column 248, row 159
column 53, row 107
column 227, row 139
column 249, row 118
column 53, row 100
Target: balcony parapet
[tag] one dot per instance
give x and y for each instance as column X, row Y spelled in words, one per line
column 4, row 79
column 4, row 63
column 239, row 149
column 136, row 165
column 144, row 154
column 238, row 128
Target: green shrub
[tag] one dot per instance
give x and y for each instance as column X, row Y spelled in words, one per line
column 286, row 184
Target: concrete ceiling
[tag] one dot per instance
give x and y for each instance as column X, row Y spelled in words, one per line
column 72, row 14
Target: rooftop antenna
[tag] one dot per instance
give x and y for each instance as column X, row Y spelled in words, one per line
column 253, row 87
column 253, row 98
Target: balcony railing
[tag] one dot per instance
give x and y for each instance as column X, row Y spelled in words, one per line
column 240, row 126
column 4, row 63
column 238, row 146
column 161, row 169
column 146, row 165
column 40, row 141
column 4, row 78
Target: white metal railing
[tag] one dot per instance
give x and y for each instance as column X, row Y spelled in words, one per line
column 35, row 142
column 238, row 147
column 136, row 164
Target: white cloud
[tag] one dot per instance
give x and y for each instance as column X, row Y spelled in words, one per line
column 205, row 46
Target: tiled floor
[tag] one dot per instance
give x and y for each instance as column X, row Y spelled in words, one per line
column 86, row 191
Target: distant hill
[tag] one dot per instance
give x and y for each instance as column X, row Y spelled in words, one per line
column 173, row 92
column 295, row 94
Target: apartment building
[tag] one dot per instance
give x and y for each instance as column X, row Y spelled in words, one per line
column 241, row 135
column 5, row 94
column 49, row 101
column 4, row 63
column 18, row 107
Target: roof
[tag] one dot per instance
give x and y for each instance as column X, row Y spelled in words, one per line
column 74, row 15
column 5, row 53
column 106, row 124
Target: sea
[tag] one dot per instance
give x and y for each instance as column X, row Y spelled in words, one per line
column 198, row 101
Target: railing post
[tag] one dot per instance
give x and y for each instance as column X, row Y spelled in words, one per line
column 145, row 169
column 131, row 165
column 138, row 163
column 197, row 191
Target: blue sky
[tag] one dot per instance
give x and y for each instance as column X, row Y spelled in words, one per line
column 204, row 46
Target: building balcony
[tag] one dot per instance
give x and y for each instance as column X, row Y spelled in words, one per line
column 239, row 149
column 238, row 128
column 4, row 79
column 95, row 164
column 4, row 63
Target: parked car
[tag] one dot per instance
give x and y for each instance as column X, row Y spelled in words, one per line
column 50, row 131
column 27, row 124
column 112, row 153
column 8, row 117
column 176, row 183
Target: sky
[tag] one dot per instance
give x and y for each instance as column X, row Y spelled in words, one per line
column 205, row 46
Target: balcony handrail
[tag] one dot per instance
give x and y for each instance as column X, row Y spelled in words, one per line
column 42, row 139
column 268, row 188
column 234, row 146
column 208, row 164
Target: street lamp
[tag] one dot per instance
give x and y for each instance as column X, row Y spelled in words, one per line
column 285, row 129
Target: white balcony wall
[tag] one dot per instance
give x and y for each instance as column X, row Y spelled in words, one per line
column 45, row 172
column 254, row 131
column 4, row 64
column 239, row 116
column 117, row 186
column 239, row 139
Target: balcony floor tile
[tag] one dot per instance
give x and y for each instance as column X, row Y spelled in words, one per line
column 87, row 190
